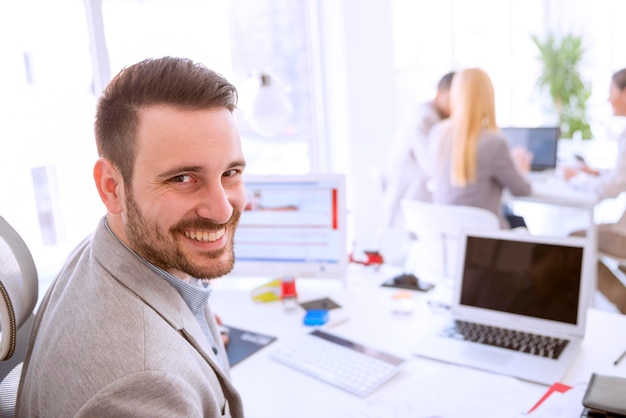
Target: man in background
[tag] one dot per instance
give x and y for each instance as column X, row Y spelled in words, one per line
column 405, row 174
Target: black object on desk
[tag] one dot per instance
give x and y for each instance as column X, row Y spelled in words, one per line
column 323, row 303
column 408, row 281
column 605, row 396
column 242, row 344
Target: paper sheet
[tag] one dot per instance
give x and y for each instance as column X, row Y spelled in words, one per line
column 562, row 405
column 457, row 392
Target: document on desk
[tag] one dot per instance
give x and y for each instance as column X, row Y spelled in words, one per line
column 455, row 391
column 564, row 404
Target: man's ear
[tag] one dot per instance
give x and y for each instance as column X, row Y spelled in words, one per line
column 110, row 185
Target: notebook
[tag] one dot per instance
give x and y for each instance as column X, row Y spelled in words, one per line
column 518, row 288
column 542, row 142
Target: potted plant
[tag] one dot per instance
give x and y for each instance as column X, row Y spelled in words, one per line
column 561, row 59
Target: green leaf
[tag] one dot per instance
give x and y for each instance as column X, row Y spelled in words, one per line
column 561, row 78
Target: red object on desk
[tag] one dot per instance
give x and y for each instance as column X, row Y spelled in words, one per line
column 373, row 258
column 557, row 387
column 288, row 288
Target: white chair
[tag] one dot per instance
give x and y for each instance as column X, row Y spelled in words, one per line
column 18, row 298
column 437, row 228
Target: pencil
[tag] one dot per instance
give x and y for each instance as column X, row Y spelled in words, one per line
column 619, row 358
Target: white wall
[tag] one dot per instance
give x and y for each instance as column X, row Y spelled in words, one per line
column 360, row 101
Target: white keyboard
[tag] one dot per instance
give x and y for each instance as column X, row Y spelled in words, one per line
column 339, row 362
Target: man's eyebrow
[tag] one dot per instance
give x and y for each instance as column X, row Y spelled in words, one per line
column 178, row 170
column 195, row 169
column 237, row 163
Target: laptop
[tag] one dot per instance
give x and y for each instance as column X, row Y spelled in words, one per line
column 519, row 305
column 542, row 142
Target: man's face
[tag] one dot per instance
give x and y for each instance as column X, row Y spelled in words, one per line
column 442, row 101
column 187, row 192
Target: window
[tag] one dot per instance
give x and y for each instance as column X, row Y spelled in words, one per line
column 265, row 36
column 46, row 112
column 432, row 38
column 49, row 95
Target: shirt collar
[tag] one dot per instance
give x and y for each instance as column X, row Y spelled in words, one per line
column 195, row 297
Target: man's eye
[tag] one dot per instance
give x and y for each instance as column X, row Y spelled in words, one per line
column 183, row 178
column 231, row 173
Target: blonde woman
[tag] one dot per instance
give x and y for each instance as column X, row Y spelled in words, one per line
column 474, row 161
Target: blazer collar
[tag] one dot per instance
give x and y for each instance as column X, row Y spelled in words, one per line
column 128, row 269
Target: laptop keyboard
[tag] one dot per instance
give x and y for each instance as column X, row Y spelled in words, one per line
column 342, row 363
column 525, row 342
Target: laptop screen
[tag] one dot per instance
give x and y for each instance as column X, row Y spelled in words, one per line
column 542, row 142
column 523, row 277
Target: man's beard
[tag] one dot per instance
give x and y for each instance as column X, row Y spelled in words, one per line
column 162, row 249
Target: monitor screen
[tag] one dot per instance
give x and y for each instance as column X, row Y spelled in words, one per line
column 542, row 142
column 293, row 225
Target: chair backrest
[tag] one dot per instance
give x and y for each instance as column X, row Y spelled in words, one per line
column 437, row 228
column 18, row 297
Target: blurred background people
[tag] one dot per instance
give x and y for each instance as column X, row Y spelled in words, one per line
column 404, row 174
column 473, row 160
column 608, row 184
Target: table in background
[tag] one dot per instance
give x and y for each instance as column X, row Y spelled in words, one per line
column 550, row 190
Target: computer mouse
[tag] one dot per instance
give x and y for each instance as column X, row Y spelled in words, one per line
column 406, row 279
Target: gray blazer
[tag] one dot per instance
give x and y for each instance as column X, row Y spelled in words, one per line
column 496, row 171
column 112, row 338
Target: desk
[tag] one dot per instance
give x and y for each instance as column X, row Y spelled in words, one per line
column 552, row 190
column 425, row 387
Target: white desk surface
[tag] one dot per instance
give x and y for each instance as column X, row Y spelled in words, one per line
column 553, row 190
column 423, row 388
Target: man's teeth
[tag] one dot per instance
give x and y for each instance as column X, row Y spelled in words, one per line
column 205, row 236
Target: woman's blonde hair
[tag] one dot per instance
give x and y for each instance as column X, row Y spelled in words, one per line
column 472, row 106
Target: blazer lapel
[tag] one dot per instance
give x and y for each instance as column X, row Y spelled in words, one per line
column 125, row 267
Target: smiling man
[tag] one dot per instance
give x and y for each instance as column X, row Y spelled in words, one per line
column 126, row 330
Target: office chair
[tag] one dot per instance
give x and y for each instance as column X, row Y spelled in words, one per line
column 612, row 285
column 437, row 228
column 18, row 298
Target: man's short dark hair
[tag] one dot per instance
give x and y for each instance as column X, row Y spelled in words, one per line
column 177, row 82
column 619, row 78
column 446, row 81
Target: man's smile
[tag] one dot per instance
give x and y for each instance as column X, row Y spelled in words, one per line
column 205, row 236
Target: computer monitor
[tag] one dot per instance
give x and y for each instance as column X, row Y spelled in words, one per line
column 542, row 142
column 293, row 225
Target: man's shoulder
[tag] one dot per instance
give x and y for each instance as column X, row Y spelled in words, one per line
column 427, row 109
column 441, row 128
